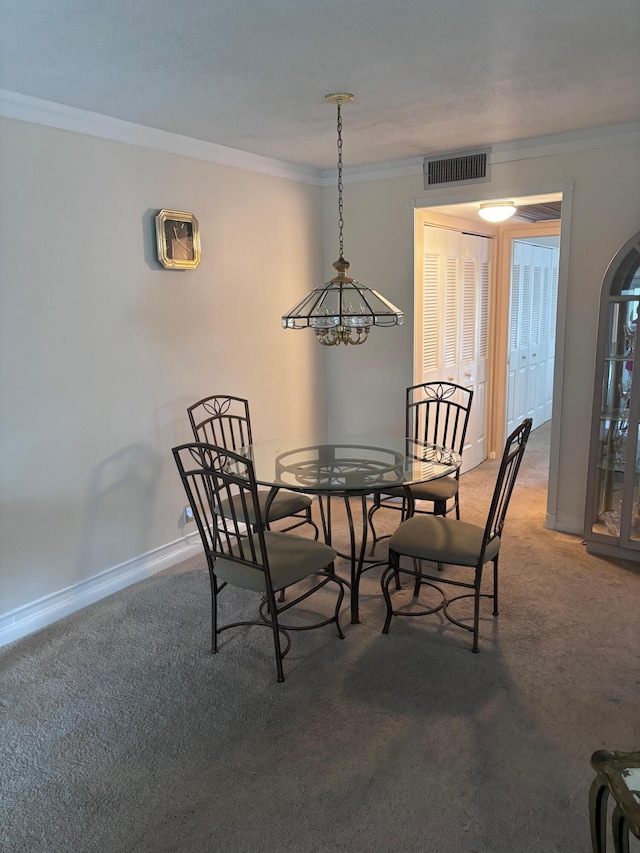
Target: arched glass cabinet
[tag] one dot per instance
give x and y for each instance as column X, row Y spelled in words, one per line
column 612, row 518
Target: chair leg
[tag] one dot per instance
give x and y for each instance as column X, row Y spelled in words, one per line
column 440, row 508
column 273, row 613
column 255, row 530
column 385, row 580
column 495, row 586
column 384, row 583
column 598, row 797
column 620, row 826
column 417, row 565
column 476, row 609
column 214, row 611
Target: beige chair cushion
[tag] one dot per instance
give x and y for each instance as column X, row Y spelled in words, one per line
column 284, row 504
column 291, row 558
column 443, row 540
column 435, row 490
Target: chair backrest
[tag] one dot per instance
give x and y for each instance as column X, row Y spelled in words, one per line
column 509, row 467
column 222, row 421
column 212, row 475
column 438, row 412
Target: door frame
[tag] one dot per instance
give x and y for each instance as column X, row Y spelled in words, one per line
column 425, row 210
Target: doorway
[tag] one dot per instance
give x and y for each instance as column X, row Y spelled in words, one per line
column 456, row 211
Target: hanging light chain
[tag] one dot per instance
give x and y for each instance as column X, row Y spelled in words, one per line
column 340, row 202
column 342, row 311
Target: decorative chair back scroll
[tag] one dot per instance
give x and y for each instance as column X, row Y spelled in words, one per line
column 438, row 414
column 224, row 421
column 221, row 420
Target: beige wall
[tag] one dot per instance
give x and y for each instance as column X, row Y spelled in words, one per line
column 102, row 349
column 368, row 382
column 367, row 385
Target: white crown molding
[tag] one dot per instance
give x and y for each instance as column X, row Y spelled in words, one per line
column 502, row 152
column 25, row 108
column 375, row 171
column 565, row 143
column 38, row 614
column 37, row 111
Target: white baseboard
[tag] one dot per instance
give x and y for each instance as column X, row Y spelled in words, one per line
column 565, row 523
column 38, row 614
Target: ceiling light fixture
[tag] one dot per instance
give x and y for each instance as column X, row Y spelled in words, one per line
column 497, row 211
column 342, row 311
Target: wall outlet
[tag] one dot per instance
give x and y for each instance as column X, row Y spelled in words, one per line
column 186, row 516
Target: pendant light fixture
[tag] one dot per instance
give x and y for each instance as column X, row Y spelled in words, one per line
column 342, row 311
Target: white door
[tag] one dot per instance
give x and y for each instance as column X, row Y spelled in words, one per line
column 453, row 324
column 518, row 348
column 532, row 313
column 551, row 334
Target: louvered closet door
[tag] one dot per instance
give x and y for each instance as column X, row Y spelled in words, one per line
column 474, row 340
column 455, row 322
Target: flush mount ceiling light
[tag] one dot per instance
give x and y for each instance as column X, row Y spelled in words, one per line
column 498, row 211
column 342, row 311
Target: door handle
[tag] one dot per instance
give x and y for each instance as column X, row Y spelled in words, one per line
column 524, row 358
column 535, row 354
column 449, row 378
column 467, row 374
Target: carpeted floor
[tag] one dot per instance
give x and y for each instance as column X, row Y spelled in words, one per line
column 120, row 732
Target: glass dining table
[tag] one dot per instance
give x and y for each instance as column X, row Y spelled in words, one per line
column 350, row 468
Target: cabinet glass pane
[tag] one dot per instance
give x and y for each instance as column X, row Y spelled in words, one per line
column 610, row 476
column 619, row 360
column 614, row 418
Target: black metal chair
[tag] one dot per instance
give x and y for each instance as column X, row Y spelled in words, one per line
column 224, row 421
column 221, row 489
column 444, row 540
column 436, row 412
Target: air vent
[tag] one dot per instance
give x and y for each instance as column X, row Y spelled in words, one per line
column 544, row 212
column 458, row 167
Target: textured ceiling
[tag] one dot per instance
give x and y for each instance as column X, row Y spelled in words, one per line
column 429, row 75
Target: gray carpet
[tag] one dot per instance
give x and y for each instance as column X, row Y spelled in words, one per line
column 120, row 732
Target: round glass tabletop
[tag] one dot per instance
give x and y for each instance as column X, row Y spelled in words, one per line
column 348, row 464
